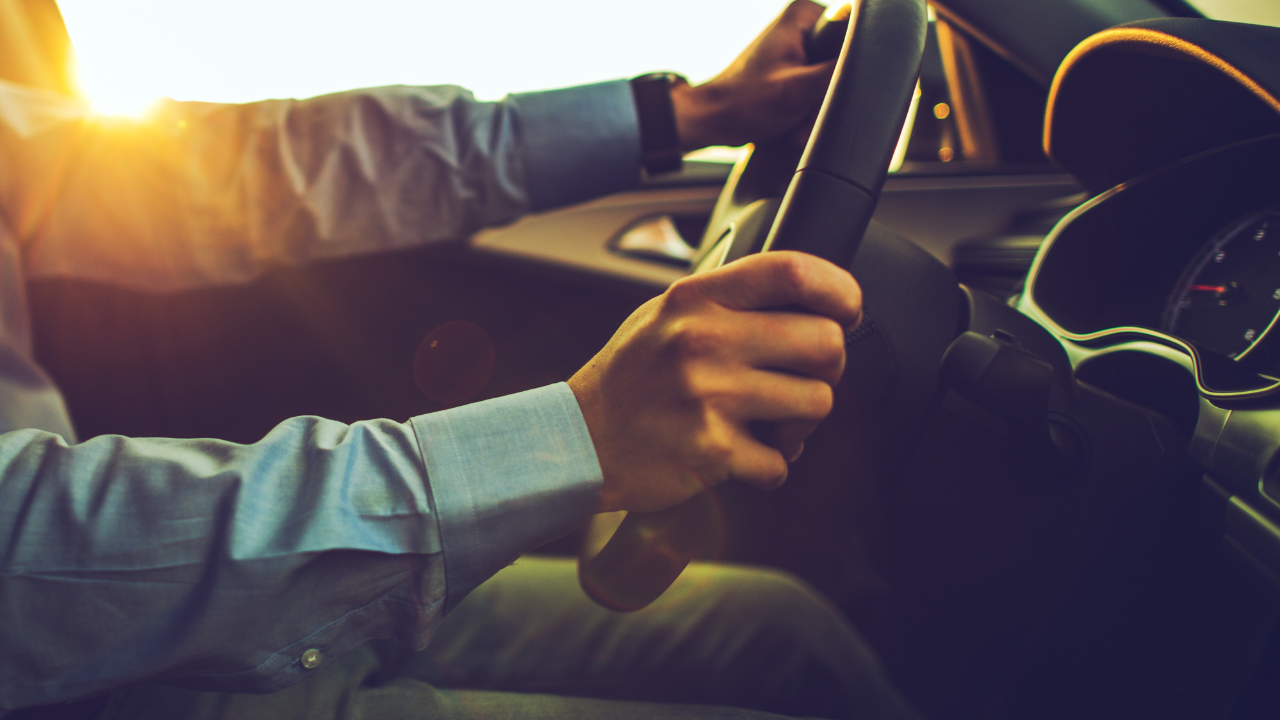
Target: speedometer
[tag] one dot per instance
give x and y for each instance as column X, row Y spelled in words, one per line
column 1228, row 297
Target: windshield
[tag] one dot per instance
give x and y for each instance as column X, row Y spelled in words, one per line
column 1260, row 12
column 131, row 52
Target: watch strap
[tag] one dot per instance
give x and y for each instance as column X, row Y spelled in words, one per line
column 659, row 137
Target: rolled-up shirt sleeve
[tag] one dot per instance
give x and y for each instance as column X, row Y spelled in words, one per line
column 221, row 566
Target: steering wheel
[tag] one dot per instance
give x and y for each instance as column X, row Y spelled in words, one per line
column 824, row 211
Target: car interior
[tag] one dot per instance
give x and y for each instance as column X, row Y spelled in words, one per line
column 1050, row 485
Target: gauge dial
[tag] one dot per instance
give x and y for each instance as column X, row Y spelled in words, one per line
column 1228, row 297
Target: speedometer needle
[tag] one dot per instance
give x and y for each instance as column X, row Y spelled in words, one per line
column 1226, row 295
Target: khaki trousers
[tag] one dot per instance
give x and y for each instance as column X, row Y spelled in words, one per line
column 723, row 642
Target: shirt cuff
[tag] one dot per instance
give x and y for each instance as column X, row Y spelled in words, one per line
column 506, row 475
column 580, row 142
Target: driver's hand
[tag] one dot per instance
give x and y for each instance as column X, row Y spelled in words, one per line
column 671, row 400
column 766, row 92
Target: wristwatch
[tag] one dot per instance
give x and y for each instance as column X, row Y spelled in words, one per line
column 659, row 137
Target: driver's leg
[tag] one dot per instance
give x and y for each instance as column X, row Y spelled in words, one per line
column 722, row 635
column 340, row 693
column 528, row 639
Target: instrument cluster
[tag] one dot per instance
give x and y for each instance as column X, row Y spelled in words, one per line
column 1187, row 256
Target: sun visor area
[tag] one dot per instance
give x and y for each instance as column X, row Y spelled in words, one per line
column 1139, row 96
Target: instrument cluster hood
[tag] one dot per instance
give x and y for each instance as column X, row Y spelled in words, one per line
column 1138, row 96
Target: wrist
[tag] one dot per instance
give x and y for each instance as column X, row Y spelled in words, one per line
column 695, row 111
column 585, row 387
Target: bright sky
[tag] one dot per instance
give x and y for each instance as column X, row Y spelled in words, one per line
column 1264, row 12
column 133, row 51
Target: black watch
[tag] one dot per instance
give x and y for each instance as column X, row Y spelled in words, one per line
column 659, row 138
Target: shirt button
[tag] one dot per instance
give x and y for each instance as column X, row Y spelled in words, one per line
column 311, row 659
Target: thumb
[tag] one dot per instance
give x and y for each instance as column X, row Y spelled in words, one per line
column 786, row 278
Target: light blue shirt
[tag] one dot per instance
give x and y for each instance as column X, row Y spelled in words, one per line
column 215, row 565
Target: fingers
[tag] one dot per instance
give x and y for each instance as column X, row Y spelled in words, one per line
column 708, row 331
column 803, row 13
column 806, row 85
column 757, row 464
column 782, row 279
column 763, row 93
column 800, row 93
column 761, row 395
column 799, row 137
column 785, row 437
column 671, row 400
column 783, row 416
column 761, row 459
column 777, row 412
column 761, row 450
column 808, row 345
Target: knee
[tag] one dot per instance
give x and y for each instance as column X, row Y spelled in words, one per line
column 762, row 590
column 771, row 604
column 758, row 618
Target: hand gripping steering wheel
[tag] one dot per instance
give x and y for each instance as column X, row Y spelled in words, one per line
column 825, row 210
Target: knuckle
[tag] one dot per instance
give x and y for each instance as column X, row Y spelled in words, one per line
column 791, row 271
column 702, row 391
column 798, row 9
column 855, row 294
column 715, row 444
column 684, row 293
column 691, row 338
column 824, row 350
column 771, row 476
column 823, row 400
column 831, row 341
column 791, row 267
column 692, row 384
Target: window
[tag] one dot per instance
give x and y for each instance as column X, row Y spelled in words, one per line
column 133, row 51
column 1261, row 12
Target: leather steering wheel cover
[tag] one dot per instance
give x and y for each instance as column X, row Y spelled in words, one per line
column 825, row 211
column 876, row 72
column 833, row 194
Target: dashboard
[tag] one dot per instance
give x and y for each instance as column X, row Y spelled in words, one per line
column 1227, row 298
column 1186, row 256
column 1165, row 291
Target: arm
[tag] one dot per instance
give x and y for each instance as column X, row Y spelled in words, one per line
column 216, row 566
column 201, row 193
column 767, row 91
column 720, row 378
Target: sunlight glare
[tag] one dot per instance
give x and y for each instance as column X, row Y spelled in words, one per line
column 118, row 95
column 134, row 51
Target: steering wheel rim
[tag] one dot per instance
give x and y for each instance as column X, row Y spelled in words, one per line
column 824, row 211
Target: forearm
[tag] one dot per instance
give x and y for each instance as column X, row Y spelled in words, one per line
column 206, row 562
column 204, row 193
column 217, row 566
